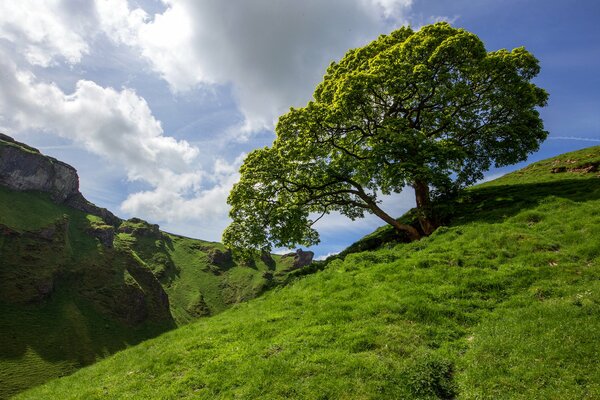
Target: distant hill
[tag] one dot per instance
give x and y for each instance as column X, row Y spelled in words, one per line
column 504, row 302
column 78, row 283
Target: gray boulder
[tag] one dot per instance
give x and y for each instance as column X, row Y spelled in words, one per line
column 301, row 258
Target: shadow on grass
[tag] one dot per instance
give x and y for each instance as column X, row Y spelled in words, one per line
column 490, row 203
column 494, row 203
column 57, row 337
column 66, row 301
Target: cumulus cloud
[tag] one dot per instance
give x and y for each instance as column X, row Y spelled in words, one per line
column 394, row 204
column 119, row 125
column 271, row 53
column 47, row 30
column 392, row 8
column 116, row 124
column 184, row 201
column 203, row 212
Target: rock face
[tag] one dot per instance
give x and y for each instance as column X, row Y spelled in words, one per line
column 140, row 228
column 267, row 259
column 119, row 287
column 28, row 271
column 198, row 307
column 33, row 264
column 78, row 202
column 105, row 234
column 24, row 168
column 301, row 258
column 223, row 259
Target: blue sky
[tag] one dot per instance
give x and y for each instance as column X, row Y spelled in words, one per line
column 157, row 102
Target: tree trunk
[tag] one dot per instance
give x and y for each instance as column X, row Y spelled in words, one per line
column 424, row 207
column 412, row 233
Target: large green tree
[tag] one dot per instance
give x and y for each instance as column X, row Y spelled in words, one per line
column 431, row 110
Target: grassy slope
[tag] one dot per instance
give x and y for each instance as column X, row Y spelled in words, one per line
column 503, row 303
column 55, row 337
column 183, row 267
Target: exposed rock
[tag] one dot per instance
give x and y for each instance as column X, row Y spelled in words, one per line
column 46, row 233
column 78, row 202
column 162, row 266
column 104, row 233
column 198, row 307
column 220, row 258
column 585, row 168
column 31, row 262
column 157, row 300
column 45, row 288
column 132, row 297
column 24, row 168
column 6, row 231
column 140, row 228
column 130, row 305
column 248, row 262
column 267, row 259
column 267, row 275
column 301, row 258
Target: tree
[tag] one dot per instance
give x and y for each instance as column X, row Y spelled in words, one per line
column 430, row 109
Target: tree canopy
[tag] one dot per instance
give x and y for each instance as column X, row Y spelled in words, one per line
column 428, row 109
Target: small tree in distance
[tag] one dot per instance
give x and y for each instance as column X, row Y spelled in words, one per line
column 430, row 109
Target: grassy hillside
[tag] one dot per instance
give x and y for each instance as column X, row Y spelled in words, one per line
column 48, row 327
column 68, row 300
column 502, row 303
column 202, row 278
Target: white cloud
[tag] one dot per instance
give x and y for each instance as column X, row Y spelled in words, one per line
column 116, row 124
column 583, row 139
column 325, row 256
column 271, row 53
column 181, row 201
column 203, row 212
column 392, row 8
column 47, row 30
column 394, row 205
column 119, row 126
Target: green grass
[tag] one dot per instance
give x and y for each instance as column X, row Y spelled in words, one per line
column 187, row 275
column 21, row 146
column 85, row 316
column 551, row 170
column 53, row 335
column 42, row 342
column 504, row 303
column 29, row 211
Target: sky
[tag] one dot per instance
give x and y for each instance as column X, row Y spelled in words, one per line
column 156, row 103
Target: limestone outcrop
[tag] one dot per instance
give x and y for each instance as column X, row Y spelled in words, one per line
column 23, row 168
column 31, row 262
column 301, row 258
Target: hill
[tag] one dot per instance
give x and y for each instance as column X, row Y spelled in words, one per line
column 504, row 302
column 78, row 283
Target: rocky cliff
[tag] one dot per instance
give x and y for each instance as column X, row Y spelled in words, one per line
column 24, row 168
column 77, row 283
column 60, row 251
